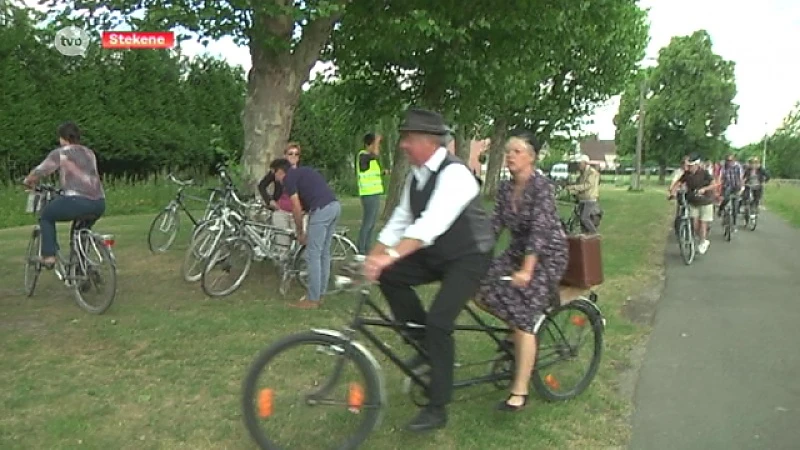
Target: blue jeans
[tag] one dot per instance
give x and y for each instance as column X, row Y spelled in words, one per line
column 64, row 209
column 370, row 205
column 321, row 226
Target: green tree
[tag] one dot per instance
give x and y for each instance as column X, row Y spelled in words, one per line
column 782, row 147
column 489, row 63
column 284, row 38
column 142, row 112
column 688, row 103
column 576, row 57
column 558, row 148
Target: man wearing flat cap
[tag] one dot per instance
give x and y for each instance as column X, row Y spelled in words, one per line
column 438, row 232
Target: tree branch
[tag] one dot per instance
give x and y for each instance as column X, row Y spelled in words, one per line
column 315, row 35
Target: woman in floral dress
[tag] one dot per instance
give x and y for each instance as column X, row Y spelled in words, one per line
column 536, row 258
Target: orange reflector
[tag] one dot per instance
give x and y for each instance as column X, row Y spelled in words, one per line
column 578, row 321
column 355, row 397
column 108, row 240
column 265, row 403
column 551, row 381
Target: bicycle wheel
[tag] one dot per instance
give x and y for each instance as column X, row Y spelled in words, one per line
column 164, row 230
column 352, row 395
column 199, row 227
column 555, row 350
column 94, row 271
column 752, row 219
column 205, row 239
column 686, row 243
column 32, row 267
column 726, row 224
column 227, row 267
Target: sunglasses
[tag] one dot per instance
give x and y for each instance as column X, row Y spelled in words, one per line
column 293, row 154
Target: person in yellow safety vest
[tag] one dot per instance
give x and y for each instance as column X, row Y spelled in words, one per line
column 370, row 188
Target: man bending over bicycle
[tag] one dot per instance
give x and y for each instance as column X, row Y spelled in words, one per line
column 83, row 191
column 754, row 178
column 438, row 232
column 700, row 196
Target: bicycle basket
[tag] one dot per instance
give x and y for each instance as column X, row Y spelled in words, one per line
column 37, row 201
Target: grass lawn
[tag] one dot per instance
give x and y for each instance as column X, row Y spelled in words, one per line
column 162, row 369
column 784, row 200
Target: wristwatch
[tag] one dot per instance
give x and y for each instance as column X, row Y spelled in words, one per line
column 392, row 252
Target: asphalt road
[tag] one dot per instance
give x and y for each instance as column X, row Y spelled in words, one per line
column 722, row 366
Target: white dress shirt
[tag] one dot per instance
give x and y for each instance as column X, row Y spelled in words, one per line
column 455, row 189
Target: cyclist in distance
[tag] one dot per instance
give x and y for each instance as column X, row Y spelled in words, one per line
column 83, row 193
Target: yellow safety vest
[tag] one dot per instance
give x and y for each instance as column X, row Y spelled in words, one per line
column 370, row 181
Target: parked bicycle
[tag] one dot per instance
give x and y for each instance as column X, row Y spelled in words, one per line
column 230, row 262
column 89, row 254
column 208, row 234
column 684, row 228
column 351, row 392
column 165, row 226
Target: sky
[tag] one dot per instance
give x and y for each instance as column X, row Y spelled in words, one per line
column 762, row 38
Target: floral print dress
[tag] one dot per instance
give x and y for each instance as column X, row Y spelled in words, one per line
column 535, row 228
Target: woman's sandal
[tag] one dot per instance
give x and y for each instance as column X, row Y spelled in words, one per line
column 505, row 406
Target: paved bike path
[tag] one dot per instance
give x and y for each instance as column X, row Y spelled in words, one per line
column 722, row 366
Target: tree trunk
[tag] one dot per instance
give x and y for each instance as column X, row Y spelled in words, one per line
column 462, row 143
column 272, row 95
column 397, row 180
column 390, row 135
column 495, row 163
column 274, row 84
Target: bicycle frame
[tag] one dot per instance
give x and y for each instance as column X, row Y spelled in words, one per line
column 360, row 325
column 732, row 204
column 683, row 216
column 77, row 255
column 262, row 236
column 178, row 204
column 683, row 209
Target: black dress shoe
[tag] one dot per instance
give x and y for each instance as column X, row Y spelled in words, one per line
column 430, row 418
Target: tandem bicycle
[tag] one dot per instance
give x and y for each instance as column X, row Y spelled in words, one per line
column 351, row 394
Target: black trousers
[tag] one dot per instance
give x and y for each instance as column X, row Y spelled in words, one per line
column 460, row 280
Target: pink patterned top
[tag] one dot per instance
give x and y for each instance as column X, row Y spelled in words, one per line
column 77, row 166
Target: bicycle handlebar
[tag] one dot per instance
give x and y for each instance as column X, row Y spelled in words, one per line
column 44, row 187
column 188, row 182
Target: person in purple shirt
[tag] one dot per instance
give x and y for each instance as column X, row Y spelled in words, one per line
column 311, row 194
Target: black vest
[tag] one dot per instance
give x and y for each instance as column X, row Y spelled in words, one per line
column 471, row 233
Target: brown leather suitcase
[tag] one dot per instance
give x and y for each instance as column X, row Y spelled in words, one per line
column 585, row 267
